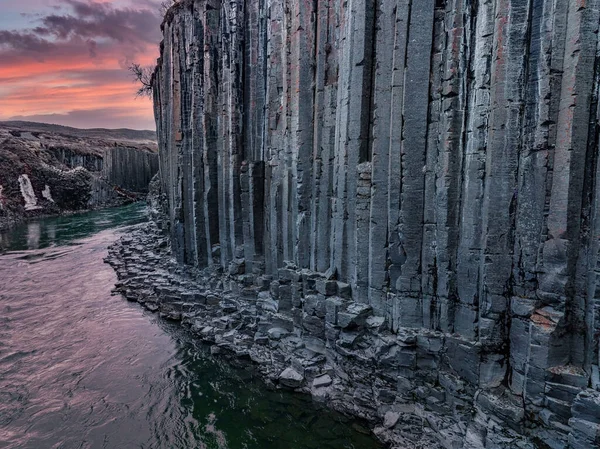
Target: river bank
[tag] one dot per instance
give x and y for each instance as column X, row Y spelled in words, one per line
column 341, row 355
column 81, row 367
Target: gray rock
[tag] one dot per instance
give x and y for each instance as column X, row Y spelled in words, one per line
column 322, row 381
column 390, row 419
column 356, row 315
column 277, row 333
column 326, row 287
column 291, row 378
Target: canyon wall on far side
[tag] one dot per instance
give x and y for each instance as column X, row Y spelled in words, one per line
column 50, row 170
column 429, row 164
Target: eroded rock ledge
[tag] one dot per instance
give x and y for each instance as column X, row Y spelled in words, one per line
column 428, row 165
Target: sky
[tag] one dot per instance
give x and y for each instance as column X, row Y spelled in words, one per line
column 65, row 61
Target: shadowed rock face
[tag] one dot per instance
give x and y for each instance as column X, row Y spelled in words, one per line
column 439, row 159
column 48, row 169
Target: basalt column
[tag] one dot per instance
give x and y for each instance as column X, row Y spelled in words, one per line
column 437, row 159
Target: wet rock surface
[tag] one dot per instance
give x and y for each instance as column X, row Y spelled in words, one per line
column 294, row 348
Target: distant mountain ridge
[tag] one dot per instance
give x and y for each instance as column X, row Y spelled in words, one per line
column 96, row 133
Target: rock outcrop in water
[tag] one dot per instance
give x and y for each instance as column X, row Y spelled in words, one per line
column 412, row 186
column 49, row 169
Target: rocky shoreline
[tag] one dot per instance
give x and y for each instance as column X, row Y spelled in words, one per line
column 241, row 321
column 302, row 331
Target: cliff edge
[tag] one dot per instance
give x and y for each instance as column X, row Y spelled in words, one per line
column 419, row 177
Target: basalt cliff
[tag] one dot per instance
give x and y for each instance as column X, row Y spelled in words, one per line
column 50, row 170
column 394, row 205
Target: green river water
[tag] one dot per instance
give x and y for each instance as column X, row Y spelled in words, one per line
column 80, row 368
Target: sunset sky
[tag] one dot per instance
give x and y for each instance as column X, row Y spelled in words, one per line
column 65, row 61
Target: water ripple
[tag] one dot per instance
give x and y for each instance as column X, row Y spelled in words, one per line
column 80, row 368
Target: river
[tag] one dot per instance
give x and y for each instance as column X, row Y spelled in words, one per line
column 80, row 368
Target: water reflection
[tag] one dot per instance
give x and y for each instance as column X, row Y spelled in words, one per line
column 56, row 231
column 51, row 231
column 34, row 231
column 80, row 368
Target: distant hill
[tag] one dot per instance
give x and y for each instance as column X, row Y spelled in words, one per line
column 133, row 135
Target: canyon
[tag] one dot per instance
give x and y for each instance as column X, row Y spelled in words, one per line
column 392, row 205
column 52, row 170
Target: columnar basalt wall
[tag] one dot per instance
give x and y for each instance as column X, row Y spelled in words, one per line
column 440, row 157
column 130, row 169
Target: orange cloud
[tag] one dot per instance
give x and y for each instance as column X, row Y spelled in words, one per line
column 72, row 68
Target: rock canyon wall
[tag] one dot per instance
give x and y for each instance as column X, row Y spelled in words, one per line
column 419, row 171
column 48, row 169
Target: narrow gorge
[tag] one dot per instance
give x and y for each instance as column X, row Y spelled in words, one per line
column 393, row 205
column 52, row 170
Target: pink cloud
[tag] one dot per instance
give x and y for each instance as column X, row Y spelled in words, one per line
column 70, row 65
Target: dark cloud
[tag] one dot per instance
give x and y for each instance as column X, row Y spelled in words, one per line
column 101, row 20
column 85, row 25
column 93, row 48
column 28, row 42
